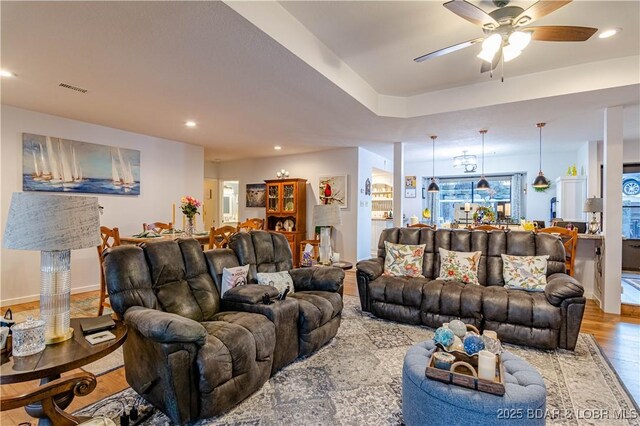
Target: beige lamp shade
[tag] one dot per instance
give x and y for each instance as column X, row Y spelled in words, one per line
column 593, row 205
column 326, row 215
column 48, row 222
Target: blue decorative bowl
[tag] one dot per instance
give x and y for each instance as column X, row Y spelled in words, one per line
column 473, row 344
column 444, row 336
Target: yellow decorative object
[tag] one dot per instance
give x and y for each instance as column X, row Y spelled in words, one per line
column 426, row 213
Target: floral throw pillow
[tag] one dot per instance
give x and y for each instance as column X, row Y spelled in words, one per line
column 525, row 272
column 280, row 280
column 459, row 266
column 403, row 260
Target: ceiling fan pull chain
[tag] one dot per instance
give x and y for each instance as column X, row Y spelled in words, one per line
column 502, row 67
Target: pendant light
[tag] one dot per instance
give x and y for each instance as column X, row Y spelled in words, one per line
column 541, row 181
column 433, row 186
column 483, row 184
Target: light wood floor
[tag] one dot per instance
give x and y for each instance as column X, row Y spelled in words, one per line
column 619, row 337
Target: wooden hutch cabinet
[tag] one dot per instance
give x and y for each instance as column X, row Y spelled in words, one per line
column 287, row 211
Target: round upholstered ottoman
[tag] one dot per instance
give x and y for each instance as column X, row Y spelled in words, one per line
column 430, row 402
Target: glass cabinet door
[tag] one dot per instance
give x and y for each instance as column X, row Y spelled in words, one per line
column 273, row 197
column 288, row 197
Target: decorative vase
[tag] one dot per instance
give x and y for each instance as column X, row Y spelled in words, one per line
column 191, row 227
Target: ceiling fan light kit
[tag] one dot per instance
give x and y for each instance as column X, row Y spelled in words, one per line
column 505, row 35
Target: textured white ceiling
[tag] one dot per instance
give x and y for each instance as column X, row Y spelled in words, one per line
column 150, row 66
column 379, row 40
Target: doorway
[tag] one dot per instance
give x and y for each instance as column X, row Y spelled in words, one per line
column 230, row 189
column 631, row 234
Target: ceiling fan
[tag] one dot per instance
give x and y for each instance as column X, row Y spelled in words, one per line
column 506, row 30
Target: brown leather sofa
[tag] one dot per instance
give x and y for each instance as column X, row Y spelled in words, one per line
column 192, row 354
column 548, row 319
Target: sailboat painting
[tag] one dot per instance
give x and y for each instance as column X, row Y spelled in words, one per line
column 62, row 165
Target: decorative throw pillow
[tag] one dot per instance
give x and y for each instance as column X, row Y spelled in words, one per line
column 403, row 260
column 525, row 272
column 459, row 266
column 280, row 280
column 233, row 277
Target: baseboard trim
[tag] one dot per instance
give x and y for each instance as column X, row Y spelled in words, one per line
column 34, row 297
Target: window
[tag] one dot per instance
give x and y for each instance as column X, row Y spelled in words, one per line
column 631, row 204
column 455, row 191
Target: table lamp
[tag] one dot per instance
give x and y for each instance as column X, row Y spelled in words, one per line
column 593, row 205
column 55, row 225
column 325, row 216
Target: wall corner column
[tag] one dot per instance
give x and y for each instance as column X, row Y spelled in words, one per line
column 398, row 183
column 612, row 217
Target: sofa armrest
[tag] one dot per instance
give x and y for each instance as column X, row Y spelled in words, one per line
column 372, row 268
column 249, row 293
column 318, row 278
column 164, row 327
column 560, row 287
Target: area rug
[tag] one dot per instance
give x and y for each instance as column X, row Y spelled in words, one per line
column 356, row 380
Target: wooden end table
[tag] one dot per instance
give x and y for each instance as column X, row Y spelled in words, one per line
column 48, row 402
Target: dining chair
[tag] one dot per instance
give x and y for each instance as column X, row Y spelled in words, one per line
column 570, row 242
column 422, row 225
column 219, row 238
column 251, row 224
column 109, row 237
column 157, row 227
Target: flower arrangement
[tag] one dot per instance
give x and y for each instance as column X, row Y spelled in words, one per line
column 484, row 214
column 190, row 206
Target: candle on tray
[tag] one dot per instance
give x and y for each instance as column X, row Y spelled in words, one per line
column 486, row 365
column 173, row 214
column 490, row 333
column 467, row 207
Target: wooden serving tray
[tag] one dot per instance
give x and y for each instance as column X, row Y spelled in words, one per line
column 463, row 373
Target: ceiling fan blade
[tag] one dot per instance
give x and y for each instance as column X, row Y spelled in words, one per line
column 561, row 33
column 448, row 50
column 471, row 13
column 486, row 66
column 538, row 10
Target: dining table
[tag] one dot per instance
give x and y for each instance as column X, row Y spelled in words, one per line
column 203, row 238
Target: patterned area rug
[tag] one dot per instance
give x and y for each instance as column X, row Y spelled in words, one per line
column 356, row 380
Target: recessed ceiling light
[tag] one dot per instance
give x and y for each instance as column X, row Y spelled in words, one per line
column 277, row 147
column 5, row 73
column 190, row 124
column 609, row 33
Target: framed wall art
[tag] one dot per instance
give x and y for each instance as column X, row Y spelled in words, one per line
column 333, row 189
column 62, row 165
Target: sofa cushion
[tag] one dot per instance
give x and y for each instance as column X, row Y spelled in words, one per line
column 233, row 277
column 281, row 280
column 527, row 273
column 316, row 308
column 261, row 329
column 520, row 307
column 459, row 266
column 450, row 299
column 181, row 279
column 404, row 291
column 403, row 260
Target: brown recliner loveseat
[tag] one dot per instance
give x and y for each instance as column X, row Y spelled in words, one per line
column 548, row 319
column 193, row 354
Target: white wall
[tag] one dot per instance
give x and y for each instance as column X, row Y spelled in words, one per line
column 367, row 160
column 306, row 166
column 168, row 170
column 554, row 164
column 631, row 151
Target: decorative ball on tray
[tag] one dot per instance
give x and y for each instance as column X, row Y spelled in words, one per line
column 473, row 344
column 457, row 345
column 444, row 337
column 458, row 327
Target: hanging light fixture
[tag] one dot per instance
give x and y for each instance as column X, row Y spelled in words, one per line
column 483, row 184
column 541, row 181
column 433, row 186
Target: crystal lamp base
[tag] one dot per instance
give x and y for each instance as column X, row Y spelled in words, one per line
column 55, row 294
